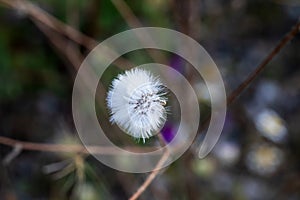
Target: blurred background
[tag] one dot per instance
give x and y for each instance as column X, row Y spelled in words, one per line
column 258, row 154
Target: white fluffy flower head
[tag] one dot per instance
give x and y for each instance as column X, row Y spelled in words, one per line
column 136, row 102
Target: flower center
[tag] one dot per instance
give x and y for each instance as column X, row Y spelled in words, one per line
column 141, row 102
column 145, row 100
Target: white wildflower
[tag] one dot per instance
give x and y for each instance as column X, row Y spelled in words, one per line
column 264, row 159
column 271, row 125
column 136, row 102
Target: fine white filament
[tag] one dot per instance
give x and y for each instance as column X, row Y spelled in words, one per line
column 136, row 102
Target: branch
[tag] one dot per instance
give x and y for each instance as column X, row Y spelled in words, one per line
column 68, row 148
column 282, row 43
column 133, row 22
column 37, row 14
column 151, row 176
column 251, row 77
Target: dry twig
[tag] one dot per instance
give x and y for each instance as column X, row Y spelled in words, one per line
column 282, row 43
column 151, row 176
column 37, row 14
column 40, row 15
column 134, row 22
column 155, row 172
column 67, row 148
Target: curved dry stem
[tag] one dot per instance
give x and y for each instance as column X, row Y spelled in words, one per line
column 151, row 176
column 37, row 14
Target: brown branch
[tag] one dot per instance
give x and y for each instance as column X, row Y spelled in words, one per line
column 151, row 176
column 52, row 22
column 68, row 148
column 282, row 43
column 36, row 13
column 72, row 54
column 251, row 77
column 62, row 45
column 155, row 172
column 127, row 13
column 42, row 147
column 133, row 22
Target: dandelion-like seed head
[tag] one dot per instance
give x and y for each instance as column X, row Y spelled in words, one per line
column 136, row 101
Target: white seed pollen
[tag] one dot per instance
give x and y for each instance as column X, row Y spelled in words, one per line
column 136, row 102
